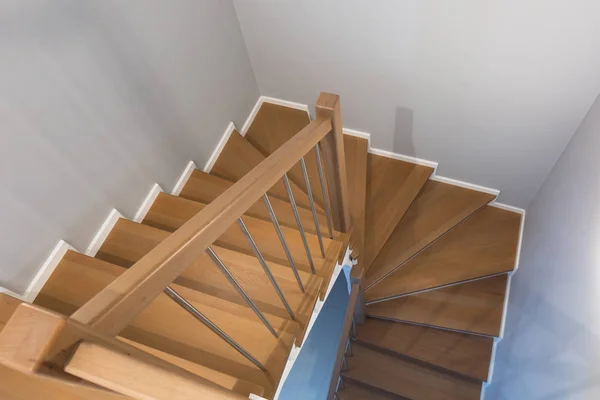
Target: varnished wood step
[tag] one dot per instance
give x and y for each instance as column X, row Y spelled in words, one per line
column 475, row 307
column 354, row 391
column 485, row 244
column 271, row 128
column 167, row 327
column 392, row 185
column 356, row 171
column 412, row 380
column 239, row 157
column 465, row 354
column 170, row 212
column 8, row 305
column 438, row 208
column 204, row 188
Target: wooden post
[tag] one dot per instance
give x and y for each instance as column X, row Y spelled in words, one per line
column 332, row 146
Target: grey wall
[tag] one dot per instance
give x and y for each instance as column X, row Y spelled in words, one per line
column 551, row 348
column 492, row 90
column 99, row 100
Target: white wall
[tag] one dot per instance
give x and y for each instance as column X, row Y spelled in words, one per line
column 493, row 90
column 99, row 100
column 551, row 348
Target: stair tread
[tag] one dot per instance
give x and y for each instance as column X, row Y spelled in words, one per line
column 475, row 306
column 353, row 391
column 356, row 150
column 437, row 209
column 484, row 244
column 392, row 185
column 204, row 188
column 170, row 212
column 8, row 305
column 167, row 327
column 239, row 157
column 469, row 355
column 273, row 126
column 407, row 379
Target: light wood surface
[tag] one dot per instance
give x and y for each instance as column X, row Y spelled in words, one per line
column 114, row 308
column 136, row 378
column 437, row 209
column 354, row 391
column 170, row 212
column 392, row 185
column 205, row 188
column 167, row 327
column 356, row 169
column 471, row 307
column 334, row 160
column 408, row 379
column 465, row 354
column 239, row 157
column 484, row 244
column 272, row 127
column 8, row 305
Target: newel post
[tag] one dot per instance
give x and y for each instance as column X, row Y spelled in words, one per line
column 332, row 146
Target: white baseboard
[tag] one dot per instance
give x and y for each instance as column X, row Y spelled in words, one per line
column 187, row 172
column 147, row 203
column 402, row 157
column 103, row 232
column 272, row 100
column 217, row 151
column 43, row 274
column 465, row 185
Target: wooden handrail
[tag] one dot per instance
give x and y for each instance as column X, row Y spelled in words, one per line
column 346, row 326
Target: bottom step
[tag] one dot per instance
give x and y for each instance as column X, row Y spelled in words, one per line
column 407, row 379
column 354, row 391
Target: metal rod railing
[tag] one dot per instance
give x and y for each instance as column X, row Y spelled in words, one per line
column 324, row 190
column 312, row 205
column 282, row 240
column 211, row 325
column 239, row 288
column 265, row 267
column 288, row 188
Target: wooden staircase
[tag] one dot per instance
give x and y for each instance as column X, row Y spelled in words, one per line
column 433, row 262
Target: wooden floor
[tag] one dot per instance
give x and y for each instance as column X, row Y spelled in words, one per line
column 356, row 171
column 469, row 355
column 485, row 244
column 352, row 391
column 392, row 185
column 408, row 379
column 437, row 209
column 475, row 307
column 239, row 157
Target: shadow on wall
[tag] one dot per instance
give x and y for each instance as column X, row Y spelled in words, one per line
column 548, row 355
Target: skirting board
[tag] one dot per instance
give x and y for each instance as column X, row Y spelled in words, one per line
column 187, row 172
column 148, row 201
column 272, row 100
column 217, row 151
column 43, row 274
column 103, row 232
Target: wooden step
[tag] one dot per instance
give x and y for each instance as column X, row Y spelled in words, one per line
column 204, row 188
column 271, row 128
column 392, row 185
column 483, row 245
column 167, row 327
column 356, row 171
column 412, row 380
column 169, row 212
column 239, row 157
column 475, row 307
column 8, row 305
column 438, row 208
column 355, row 391
column 469, row 355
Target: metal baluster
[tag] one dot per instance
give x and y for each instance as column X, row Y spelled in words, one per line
column 282, row 240
column 344, row 364
column 353, row 328
column 349, row 347
column 312, row 205
column 240, row 290
column 265, row 267
column 211, row 325
column 324, row 190
column 288, row 188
